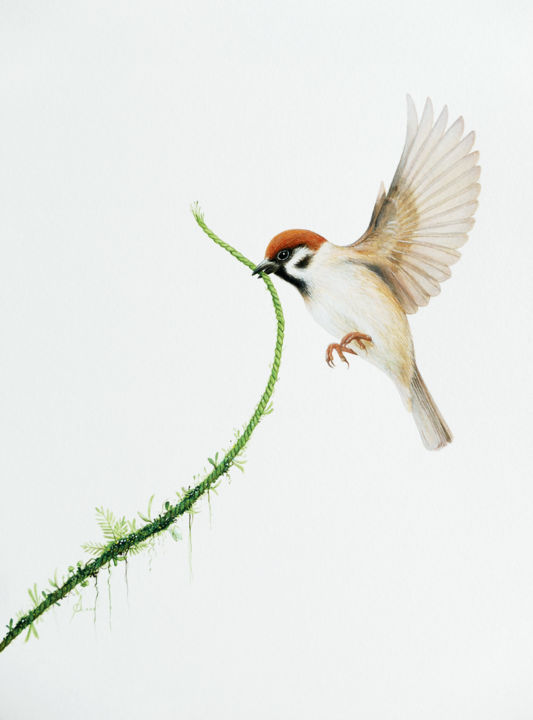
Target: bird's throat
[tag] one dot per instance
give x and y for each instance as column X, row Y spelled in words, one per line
column 299, row 283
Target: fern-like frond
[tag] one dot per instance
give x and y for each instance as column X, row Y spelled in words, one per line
column 93, row 548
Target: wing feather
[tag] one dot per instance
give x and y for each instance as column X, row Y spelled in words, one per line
column 418, row 225
column 430, row 144
column 465, row 184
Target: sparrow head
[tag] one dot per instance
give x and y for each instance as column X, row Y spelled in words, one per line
column 289, row 254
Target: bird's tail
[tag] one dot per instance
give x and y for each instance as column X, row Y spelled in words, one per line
column 433, row 430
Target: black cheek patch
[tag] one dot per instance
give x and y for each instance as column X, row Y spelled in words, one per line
column 304, row 262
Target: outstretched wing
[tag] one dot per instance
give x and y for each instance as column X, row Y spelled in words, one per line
column 418, row 225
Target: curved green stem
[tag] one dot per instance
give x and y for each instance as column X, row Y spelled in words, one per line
column 120, row 548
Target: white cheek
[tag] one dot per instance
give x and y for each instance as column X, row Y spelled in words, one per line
column 291, row 266
column 295, row 272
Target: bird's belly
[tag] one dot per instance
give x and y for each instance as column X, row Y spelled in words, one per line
column 361, row 302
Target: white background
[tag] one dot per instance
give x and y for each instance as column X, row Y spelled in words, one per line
column 348, row 573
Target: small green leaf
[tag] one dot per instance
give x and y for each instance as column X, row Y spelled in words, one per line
column 269, row 409
column 34, row 594
column 31, row 629
column 54, row 581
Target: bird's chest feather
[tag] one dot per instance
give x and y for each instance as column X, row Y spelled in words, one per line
column 347, row 300
column 349, row 297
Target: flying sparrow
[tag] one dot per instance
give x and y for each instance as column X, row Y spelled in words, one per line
column 361, row 293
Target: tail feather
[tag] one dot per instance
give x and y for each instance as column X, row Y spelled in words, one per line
column 431, row 425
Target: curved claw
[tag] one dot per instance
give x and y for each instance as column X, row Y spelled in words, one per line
column 340, row 348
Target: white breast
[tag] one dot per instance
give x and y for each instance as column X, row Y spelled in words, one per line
column 346, row 296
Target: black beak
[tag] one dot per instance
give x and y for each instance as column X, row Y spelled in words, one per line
column 266, row 266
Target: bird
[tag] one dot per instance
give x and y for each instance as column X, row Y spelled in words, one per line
column 362, row 293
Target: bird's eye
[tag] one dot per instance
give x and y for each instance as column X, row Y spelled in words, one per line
column 283, row 254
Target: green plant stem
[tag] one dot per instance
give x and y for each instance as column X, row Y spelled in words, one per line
column 120, row 548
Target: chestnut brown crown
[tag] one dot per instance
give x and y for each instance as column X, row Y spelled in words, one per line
column 289, row 239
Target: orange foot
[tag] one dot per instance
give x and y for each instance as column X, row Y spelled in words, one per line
column 342, row 347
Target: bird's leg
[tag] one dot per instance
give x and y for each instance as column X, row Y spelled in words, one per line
column 342, row 347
